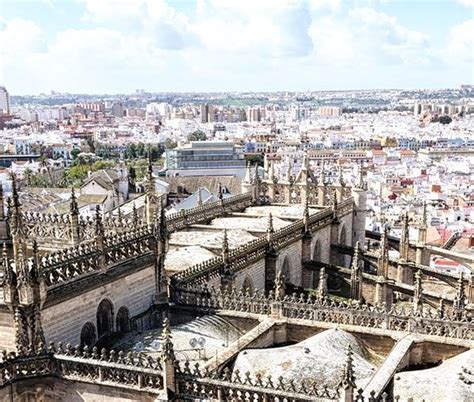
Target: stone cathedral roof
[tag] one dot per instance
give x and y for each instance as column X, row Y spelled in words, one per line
column 453, row 380
column 321, row 357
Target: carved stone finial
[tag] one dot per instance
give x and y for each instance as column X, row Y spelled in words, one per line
column 99, row 228
column 348, row 378
column 418, row 292
column 166, row 347
column 460, row 298
column 356, row 275
column 199, row 196
column 441, row 308
column 134, row 215
column 225, row 247
column 73, row 207
column 270, row 228
column 162, row 224
column 280, row 287
column 322, row 285
column 322, row 175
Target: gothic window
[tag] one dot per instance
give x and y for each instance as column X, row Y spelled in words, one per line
column 286, row 269
column 105, row 318
column 316, row 257
column 123, row 320
column 88, row 336
column 247, row 285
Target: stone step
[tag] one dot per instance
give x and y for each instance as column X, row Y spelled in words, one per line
column 240, row 344
column 389, row 367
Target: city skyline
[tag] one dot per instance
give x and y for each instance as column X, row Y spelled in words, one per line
column 114, row 46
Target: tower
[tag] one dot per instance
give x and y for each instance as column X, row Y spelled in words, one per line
column 359, row 194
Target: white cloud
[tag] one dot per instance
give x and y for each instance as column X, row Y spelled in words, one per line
column 219, row 45
column 460, row 43
column 264, row 28
column 467, row 3
column 19, row 35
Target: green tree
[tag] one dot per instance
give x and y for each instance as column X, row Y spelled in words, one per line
column 197, row 135
column 170, row 144
column 75, row 152
column 445, row 120
column 28, row 174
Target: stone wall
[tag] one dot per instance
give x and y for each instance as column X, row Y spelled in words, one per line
column 323, row 238
column 292, row 254
column 7, row 332
column 256, row 273
column 63, row 322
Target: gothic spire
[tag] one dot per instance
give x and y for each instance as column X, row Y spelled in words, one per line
column 348, row 378
column 199, row 197
column 225, row 248
column 356, row 275
column 134, row 215
column 383, row 258
column 404, row 238
column 322, row 285
column 322, row 175
column 279, row 287
column 73, row 207
column 460, row 298
column 99, row 227
column 418, row 292
column 150, row 177
column 166, row 345
column 340, row 179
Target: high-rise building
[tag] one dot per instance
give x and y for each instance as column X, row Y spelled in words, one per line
column 204, row 113
column 4, row 101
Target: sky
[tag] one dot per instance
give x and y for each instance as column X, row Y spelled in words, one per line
column 117, row 46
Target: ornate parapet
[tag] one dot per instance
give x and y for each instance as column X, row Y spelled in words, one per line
column 207, row 212
column 70, row 263
column 195, row 382
column 247, row 254
column 58, row 231
column 126, row 370
column 427, row 321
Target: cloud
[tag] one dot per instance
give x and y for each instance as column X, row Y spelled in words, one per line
column 367, row 37
column 467, row 3
column 21, row 36
column 460, row 43
column 220, row 45
column 263, row 28
column 166, row 27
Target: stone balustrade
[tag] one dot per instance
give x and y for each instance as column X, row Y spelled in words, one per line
column 398, row 318
column 245, row 255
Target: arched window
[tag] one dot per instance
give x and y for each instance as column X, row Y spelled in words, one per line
column 317, row 251
column 122, row 322
column 286, row 269
column 247, row 285
column 342, row 236
column 342, row 260
column 105, row 318
column 88, row 336
column 316, row 257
